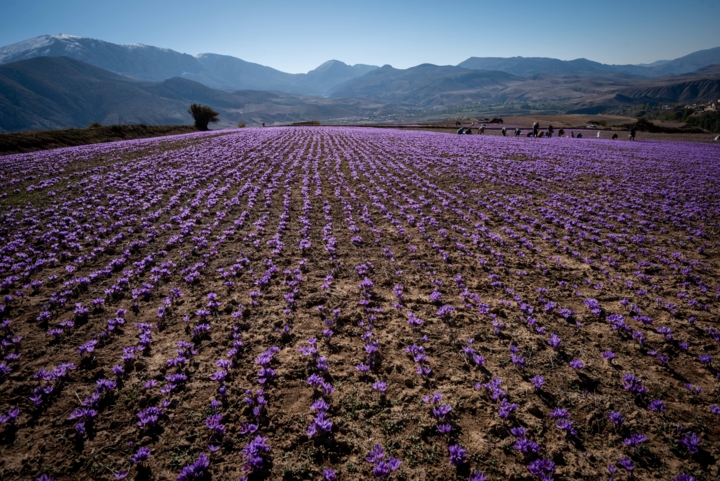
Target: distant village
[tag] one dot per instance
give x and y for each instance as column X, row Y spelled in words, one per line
column 699, row 107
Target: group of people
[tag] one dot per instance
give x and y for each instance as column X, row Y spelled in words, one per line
column 536, row 132
column 468, row 130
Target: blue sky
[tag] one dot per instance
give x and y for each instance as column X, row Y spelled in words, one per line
column 296, row 36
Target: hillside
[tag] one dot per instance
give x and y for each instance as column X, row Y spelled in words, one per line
column 59, row 92
column 434, row 86
column 144, row 62
column 526, row 67
column 53, row 139
column 687, row 91
column 427, row 84
column 529, row 66
column 691, row 62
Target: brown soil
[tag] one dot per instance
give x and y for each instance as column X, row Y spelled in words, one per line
column 45, row 441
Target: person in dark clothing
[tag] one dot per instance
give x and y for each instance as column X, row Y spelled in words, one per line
column 572, row 134
column 550, row 131
column 579, row 136
column 561, row 132
column 632, row 133
column 536, row 127
column 518, row 132
column 468, row 131
column 461, row 130
column 615, row 136
column 504, row 132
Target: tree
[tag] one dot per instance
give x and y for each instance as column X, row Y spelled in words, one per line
column 203, row 115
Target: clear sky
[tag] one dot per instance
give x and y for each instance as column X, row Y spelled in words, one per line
column 298, row 35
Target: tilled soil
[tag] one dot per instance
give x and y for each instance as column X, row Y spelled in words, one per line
column 495, row 244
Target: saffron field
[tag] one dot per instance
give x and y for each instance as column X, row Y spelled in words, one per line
column 349, row 303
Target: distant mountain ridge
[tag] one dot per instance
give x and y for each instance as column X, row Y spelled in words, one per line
column 427, row 84
column 225, row 72
column 60, row 92
column 156, row 64
column 42, row 88
column 528, row 66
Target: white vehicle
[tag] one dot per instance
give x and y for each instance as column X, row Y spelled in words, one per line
column 592, row 126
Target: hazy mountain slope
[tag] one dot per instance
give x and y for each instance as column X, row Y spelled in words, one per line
column 425, row 84
column 687, row 91
column 60, row 92
column 234, row 73
column 434, row 86
column 528, row 66
column 524, row 67
column 56, row 92
column 657, row 63
column 135, row 61
column 333, row 73
column 144, row 62
column 690, row 63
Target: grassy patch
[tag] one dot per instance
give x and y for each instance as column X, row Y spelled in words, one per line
column 52, row 139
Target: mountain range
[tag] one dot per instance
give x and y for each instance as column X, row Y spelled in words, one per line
column 550, row 66
column 58, row 81
column 60, row 92
column 144, row 62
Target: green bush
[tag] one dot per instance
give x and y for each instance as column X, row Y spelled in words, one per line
column 241, row 125
column 203, row 115
column 95, row 125
column 709, row 121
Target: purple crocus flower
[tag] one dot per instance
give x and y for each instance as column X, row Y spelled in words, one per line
column 376, row 454
column 505, row 408
column 195, row 470
column 10, row 417
column 626, row 463
column 615, row 417
column 635, row 440
column 526, row 446
column 457, row 454
column 379, row 386
column 141, row 455
column 608, row 355
column 691, row 441
column 567, row 426
column 541, row 467
column 382, row 468
column 560, row 413
column 538, row 381
column 477, row 476
column 683, row 477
